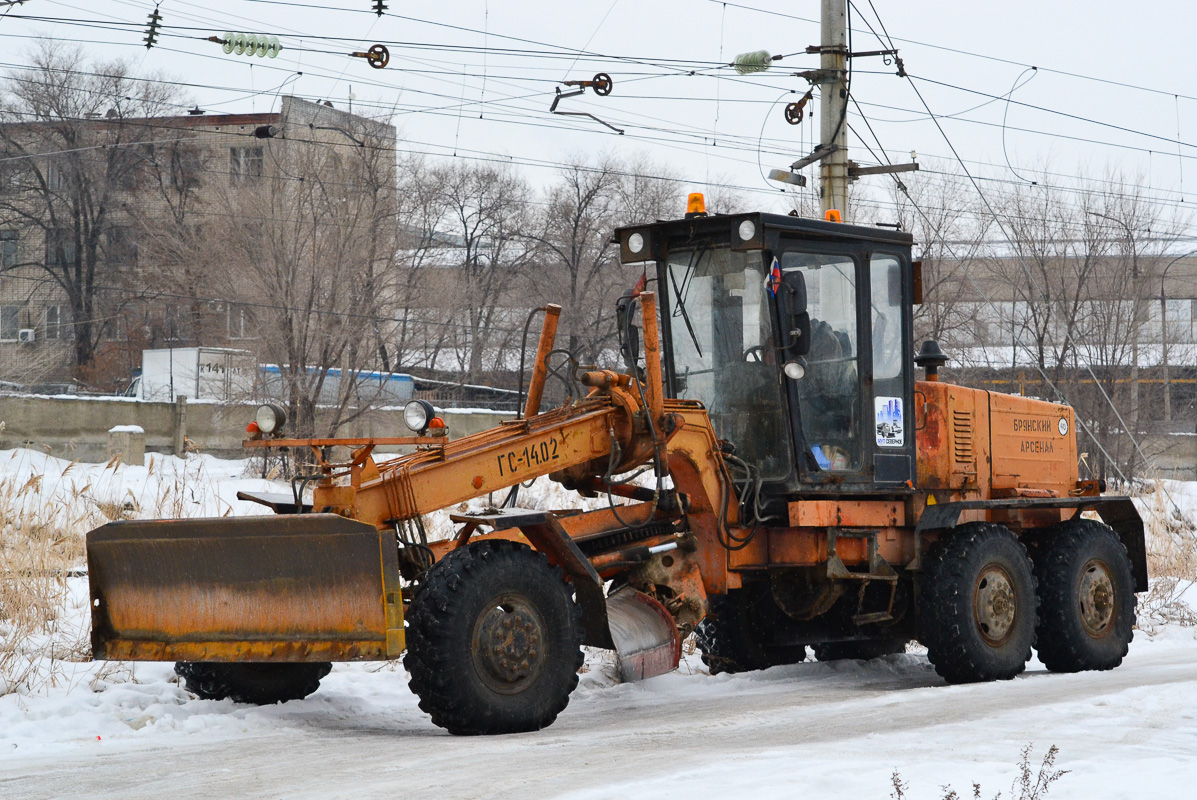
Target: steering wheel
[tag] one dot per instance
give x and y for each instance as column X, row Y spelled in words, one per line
column 756, row 354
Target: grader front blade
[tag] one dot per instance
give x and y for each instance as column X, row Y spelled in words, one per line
column 296, row 587
column 644, row 634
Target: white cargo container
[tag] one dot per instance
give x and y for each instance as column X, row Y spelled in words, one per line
column 198, row 373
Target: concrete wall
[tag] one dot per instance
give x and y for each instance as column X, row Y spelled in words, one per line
column 77, row 428
column 1174, row 456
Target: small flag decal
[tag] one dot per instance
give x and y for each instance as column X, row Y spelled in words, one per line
column 773, row 282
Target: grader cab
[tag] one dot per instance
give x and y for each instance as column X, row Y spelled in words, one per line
column 806, row 491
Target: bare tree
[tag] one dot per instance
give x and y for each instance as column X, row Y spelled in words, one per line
column 939, row 212
column 74, row 138
column 425, row 248
column 172, row 231
column 578, row 265
column 1072, row 275
column 480, row 215
column 304, row 253
column 573, row 245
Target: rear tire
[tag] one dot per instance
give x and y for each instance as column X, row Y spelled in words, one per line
column 494, row 640
column 977, row 604
column 731, row 637
column 1087, row 598
column 864, row 650
column 257, row 683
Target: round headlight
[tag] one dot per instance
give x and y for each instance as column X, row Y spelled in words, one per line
column 747, row 229
column 794, row 370
column 635, row 243
column 270, row 418
column 417, row 414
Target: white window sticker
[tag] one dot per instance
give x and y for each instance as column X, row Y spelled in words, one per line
column 891, row 430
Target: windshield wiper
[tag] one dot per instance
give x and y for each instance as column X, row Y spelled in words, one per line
column 695, row 261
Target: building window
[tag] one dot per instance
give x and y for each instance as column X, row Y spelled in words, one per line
column 185, row 167
column 9, row 325
column 55, row 180
column 239, row 327
column 60, row 247
column 171, row 319
column 56, row 324
column 8, row 249
column 245, row 163
column 120, row 245
column 10, row 174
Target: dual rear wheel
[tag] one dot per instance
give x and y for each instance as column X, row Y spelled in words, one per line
column 1087, row 606
column 984, row 602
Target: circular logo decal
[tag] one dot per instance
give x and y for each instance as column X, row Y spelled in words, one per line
column 1063, row 426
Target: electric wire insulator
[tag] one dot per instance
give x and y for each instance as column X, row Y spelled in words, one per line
column 249, row 44
column 748, row 63
column 151, row 34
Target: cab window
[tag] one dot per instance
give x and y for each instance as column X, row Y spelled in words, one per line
column 829, row 395
column 720, row 328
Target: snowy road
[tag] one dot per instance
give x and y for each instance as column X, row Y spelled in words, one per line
column 806, row 731
column 810, row 730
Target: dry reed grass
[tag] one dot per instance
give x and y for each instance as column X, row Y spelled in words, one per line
column 44, row 516
column 38, row 552
column 1171, row 535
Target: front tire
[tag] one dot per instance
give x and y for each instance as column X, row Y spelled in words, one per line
column 977, row 604
column 1087, row 598
column 493, row 640
column 732, row 636
column 257, row 683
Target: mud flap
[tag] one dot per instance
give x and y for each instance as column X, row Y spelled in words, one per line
column 645, row 636
column 297, row 587
column 642, row 632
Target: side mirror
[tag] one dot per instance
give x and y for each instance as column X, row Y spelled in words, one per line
column 795, row 288
column 799, row 333
column 794, row 318
column 629, row 334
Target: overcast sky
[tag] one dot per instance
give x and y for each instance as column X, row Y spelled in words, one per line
column 476, row 78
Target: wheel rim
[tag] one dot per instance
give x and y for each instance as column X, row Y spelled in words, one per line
column 508, row 644
column 1096, row 594
column 994, row 605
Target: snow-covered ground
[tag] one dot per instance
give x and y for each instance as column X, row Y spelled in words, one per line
column 97, row 730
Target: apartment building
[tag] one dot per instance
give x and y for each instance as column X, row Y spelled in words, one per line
column 99, row 216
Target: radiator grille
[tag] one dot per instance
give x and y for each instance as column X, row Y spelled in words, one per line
column 962, row 436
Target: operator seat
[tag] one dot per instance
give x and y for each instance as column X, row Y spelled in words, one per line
column 828, row 391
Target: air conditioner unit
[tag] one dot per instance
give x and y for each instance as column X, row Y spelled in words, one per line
column 26, row 336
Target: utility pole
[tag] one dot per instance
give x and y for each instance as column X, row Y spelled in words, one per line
column 833, row 105
column 835, row 170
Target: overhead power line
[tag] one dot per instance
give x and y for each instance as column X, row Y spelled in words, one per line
column 970, row 53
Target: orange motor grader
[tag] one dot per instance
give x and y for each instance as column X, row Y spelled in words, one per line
column 806, row 491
